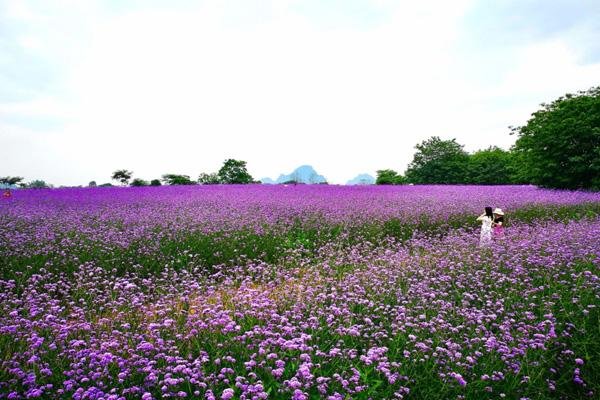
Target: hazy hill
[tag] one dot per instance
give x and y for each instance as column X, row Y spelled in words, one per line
column 302, row 174
column 361, row 179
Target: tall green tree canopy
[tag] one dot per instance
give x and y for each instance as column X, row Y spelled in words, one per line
column 559, row 146
column 175, row 179
column 388, row 177
column 438, row 161
column 491, row 166
column 122, row 175
column 208, row 179
column 36, row 184
column 234, row 171
column 139, row 182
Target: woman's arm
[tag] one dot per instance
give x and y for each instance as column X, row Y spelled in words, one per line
column 481, row 217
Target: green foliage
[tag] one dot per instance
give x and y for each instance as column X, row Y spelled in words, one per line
column 37, row 184
column 175, row 179
column 92, row 184
column 208, row 179
column 559, row 146
column 106, row 185
column 11, row 180
column 122, row 175
column 139, row 182
column 155, row 182
column 234, row 172
column 389, row 177
column 438, row 161
column 490, row 167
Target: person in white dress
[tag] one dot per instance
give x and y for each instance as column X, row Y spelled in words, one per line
column 485, row 238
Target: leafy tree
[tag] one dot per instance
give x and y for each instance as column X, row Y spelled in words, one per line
column 175, row 179
column 37, row 184
column 234, row 171
column 11, row 180
column 491, row 166
column 155, row 182
column 92, row 184
column 559, row 146
column 106, row 185
column 438, row 161
column 389, row 177
column 139, row 182
column 122, row 175
column 208, row 179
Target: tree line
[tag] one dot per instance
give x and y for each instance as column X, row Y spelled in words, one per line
column 10, row 181
column 231, row 172
column 558, row 147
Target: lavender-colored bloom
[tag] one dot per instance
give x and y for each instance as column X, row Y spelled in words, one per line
column 227, row 394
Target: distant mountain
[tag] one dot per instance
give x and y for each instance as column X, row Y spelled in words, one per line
column 362, row 179
column 302, row 174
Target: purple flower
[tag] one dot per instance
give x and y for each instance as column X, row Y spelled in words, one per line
column 227, row 394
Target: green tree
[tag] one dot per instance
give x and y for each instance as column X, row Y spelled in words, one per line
column 37, row 184
column 438, row 161
column 389, row 177
column 491, row 166
column 92, row 184
column 234, row 171
column 559, row 147
column 155, row 182
column 139, row 182
column 175, row 179
column 122, row 175
column 11, row 180
column 208, row 179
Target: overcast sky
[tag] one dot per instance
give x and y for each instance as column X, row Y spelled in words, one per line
column 348, row 86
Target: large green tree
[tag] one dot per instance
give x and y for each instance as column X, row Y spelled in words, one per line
column 139, row 182
column 234, row 171
column 36, row 184
column 438, row 161
column 176, row 179
column 559, row 146
column 491, row 166
column 208, row 179
column 122, row 175
column 388, row 177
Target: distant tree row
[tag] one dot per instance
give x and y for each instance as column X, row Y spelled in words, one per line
column 232, row 172
column 559, row 147
column 10, row 181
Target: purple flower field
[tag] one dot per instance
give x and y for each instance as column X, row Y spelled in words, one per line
column 432, row 316
column 39, row 221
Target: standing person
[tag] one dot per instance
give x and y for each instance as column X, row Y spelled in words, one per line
column 498, row 224
column 487, row 218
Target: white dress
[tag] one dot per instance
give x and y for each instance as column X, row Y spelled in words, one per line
column 485, row 237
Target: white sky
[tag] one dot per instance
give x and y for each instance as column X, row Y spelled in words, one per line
column 348, row 87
